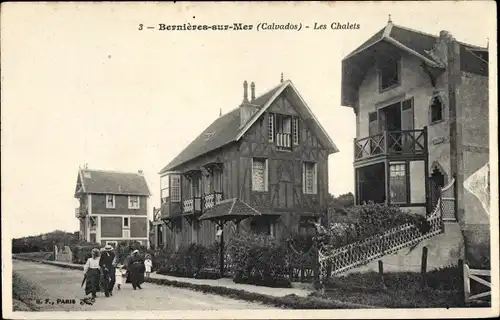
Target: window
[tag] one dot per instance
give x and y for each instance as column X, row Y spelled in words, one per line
column 160, row 236
column 398, row 183
column 309, row 178
column 126, row 222
column 164, row 189
column 271, row 127
column 175, row 188
column 283, row 131
column 436, row 109
column 110, row 201
column 389, row 74
column 259, row 174
column 295, row 129
column 217, row 180
column 133, row 202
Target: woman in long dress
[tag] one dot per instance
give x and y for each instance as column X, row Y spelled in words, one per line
column 135, row 268
column 92, row 273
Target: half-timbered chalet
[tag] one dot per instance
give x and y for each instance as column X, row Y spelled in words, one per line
column 269, row 156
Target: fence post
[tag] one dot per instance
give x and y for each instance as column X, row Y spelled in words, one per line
column 423, row 268
column 381, row 273
column 465, row 285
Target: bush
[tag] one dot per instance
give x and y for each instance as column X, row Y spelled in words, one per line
column 259, row 259
column 364, row 221
column 82, row 251
column 192, row 261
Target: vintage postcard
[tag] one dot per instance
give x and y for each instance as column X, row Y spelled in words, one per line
column 256, row 160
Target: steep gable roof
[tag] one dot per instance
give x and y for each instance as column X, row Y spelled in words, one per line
column 227, row 128
column 411, row 41
column 113, row 182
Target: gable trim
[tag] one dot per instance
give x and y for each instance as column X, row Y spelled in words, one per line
column 287, row 83
column 261, row 111
column 413, row 52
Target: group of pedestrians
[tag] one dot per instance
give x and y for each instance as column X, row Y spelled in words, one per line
column 102, row 271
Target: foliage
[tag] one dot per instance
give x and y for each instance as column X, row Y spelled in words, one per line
column 24, row 290
column 193, row 260
column 401, row 290
column 259, row 259
column 44, row 242
column 125, row 248
column 363, row 221
column 82, row 251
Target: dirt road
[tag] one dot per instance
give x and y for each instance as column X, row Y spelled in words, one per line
column 60, row 290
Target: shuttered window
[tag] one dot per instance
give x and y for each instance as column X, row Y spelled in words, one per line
column 259, row 175
column 309, row 178
column 164, row 189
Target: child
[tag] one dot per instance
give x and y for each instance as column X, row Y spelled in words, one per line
column 120, row 276
column 148, row 264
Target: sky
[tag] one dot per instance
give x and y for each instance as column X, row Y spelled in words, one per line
column 82, row 85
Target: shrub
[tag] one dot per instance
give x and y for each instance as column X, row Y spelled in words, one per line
column 82, row 251
column 193, row 260
column 259, row 259
column 364, row 221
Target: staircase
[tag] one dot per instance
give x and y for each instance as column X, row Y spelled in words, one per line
column 352, row 256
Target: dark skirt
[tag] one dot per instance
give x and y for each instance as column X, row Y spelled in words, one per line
column 135, row 274
column 92, row 283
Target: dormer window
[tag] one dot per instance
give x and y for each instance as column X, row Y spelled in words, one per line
column 283, row 130
column 436, row 109
column 389, row 71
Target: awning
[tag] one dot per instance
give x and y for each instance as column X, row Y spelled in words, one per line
column 230, row 209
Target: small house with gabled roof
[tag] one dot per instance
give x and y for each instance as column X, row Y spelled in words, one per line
column 268, row 157
column 113, row 206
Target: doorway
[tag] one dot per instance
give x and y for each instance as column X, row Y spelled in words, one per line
column 436, row 183
column 390, row 120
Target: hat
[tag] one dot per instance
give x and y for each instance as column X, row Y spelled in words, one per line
column 95, row 251
column 101, row 250
column 108, row 247
column 135, row 251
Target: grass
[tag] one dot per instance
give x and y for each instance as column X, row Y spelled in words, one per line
column 400, row 290
column 24, row 292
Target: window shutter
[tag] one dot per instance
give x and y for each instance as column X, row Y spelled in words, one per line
column 271, row 127
column 315, row 178
column 407, row 120
column 304, row 177
column 372, row 124
column 266, row 170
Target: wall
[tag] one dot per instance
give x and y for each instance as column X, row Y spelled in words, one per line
column 284, row 196
column 414, row 83
column 473, row 203
column 121, row 205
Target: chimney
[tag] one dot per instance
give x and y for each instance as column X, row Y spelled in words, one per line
column 247, row 110
column 245, row 91
column 252, row 90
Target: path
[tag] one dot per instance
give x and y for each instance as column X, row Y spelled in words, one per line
column 56, row 283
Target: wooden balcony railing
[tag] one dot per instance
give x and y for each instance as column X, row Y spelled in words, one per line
column 211, row 200
column 192, row 205
column 404, row 142
column 284, row 140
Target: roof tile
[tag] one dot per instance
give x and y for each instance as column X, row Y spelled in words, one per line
column 113, row 182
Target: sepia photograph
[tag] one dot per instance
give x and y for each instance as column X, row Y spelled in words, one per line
column 253, row 160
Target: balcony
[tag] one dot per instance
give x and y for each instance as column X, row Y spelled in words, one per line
column 80, row 212
column 211, row 200
column 192, row 205
column 404, row 144
column 284, row 141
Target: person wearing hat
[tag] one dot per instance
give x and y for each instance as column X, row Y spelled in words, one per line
column 135, row 270
column 92, row 273
column 108, row 269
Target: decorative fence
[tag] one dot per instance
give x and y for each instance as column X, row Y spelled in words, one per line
column 339, row 260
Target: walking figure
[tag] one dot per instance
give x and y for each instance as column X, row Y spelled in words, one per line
column 108, row 270
column 135, row 266
column 148, row 264
column 92, row 273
